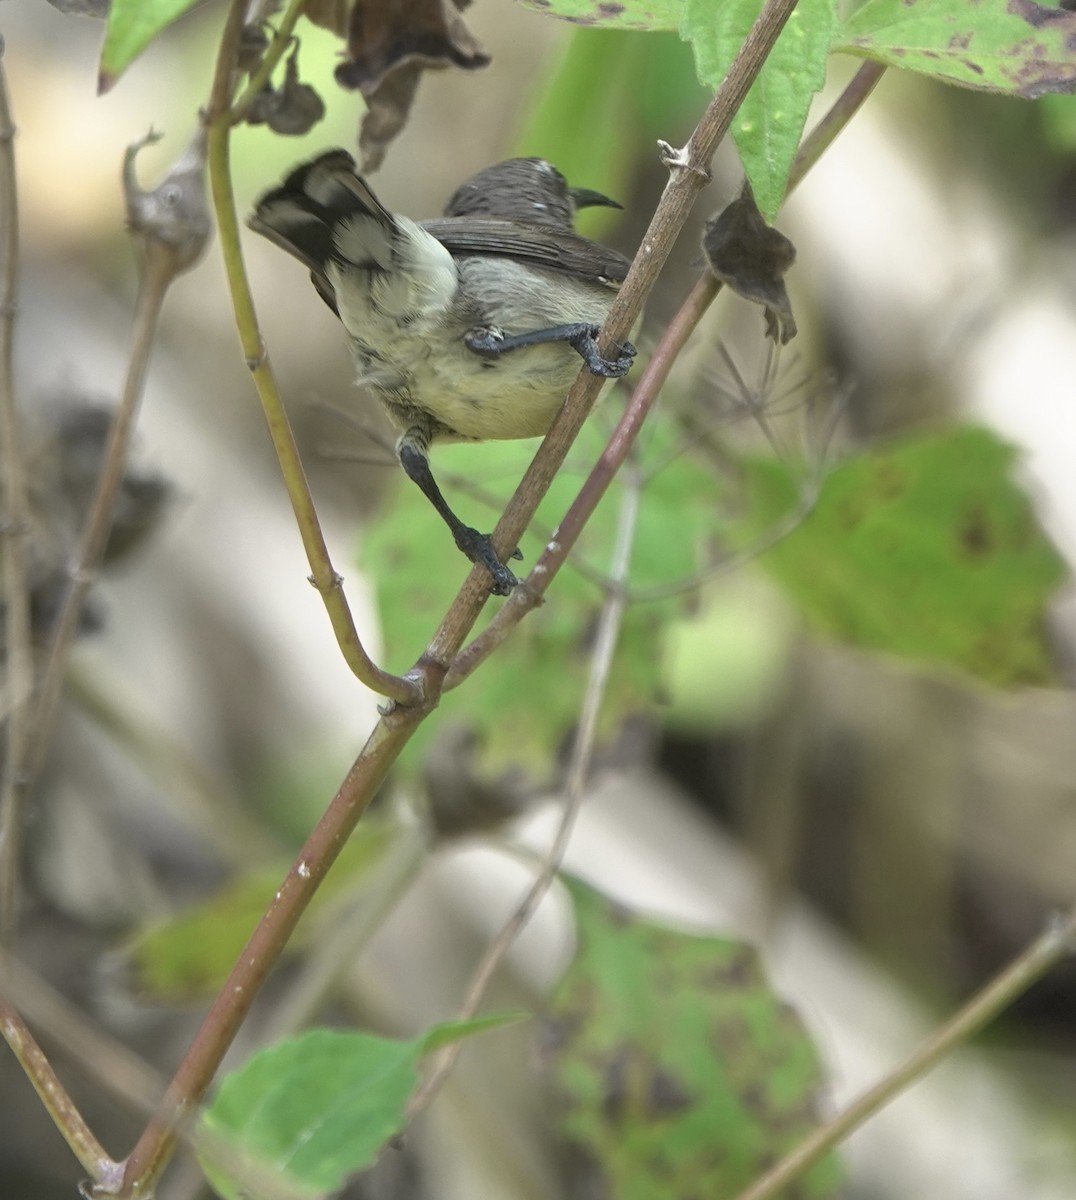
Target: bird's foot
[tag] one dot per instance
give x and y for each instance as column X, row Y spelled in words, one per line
column 479, row 549
column 585, row 342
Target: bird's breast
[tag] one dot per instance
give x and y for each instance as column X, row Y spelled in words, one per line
column 419, row 362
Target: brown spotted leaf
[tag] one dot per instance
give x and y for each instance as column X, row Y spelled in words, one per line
column 389, row 45
column 1015, row 47
column 675, row 1070
column 923, row 547
column 614, row 14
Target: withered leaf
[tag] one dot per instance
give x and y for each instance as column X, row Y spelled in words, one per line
column 389, row 44
column 329, row 14
column 293, row 109
column 752, row 257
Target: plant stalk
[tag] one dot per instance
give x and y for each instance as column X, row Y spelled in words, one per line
column 1056, row 943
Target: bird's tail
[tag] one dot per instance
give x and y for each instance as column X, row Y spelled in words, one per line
column 325, row 210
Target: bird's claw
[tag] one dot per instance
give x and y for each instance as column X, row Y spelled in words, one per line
column 479, row 549
column 585, row 343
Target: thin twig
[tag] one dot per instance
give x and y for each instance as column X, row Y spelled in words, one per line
column 17, row 649
column 120, row 1072
column 220, row 1025
column 344, row 935
column 322, row 573
column 273, row 54
column 840, row 113
column 155, row 282
column 1056, row 943
column 54, row 1096
column 601, row 662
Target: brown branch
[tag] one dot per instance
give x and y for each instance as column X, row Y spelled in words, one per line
column 530, row 595
column 844, row 108
column 222, row 1022
column 68, row 1120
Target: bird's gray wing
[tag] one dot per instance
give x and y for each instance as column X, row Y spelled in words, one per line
column 552, row 249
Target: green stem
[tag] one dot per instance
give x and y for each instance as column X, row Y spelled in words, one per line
column 273, row 55
column 322, row 573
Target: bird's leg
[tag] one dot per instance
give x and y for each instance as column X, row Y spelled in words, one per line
column 582, row 338
column 411, row 450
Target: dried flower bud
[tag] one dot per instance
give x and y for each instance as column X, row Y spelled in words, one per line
column 173, row 219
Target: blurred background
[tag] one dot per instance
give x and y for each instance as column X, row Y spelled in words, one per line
column 890, row 832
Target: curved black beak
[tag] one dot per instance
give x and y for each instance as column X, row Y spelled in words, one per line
column 585, row 198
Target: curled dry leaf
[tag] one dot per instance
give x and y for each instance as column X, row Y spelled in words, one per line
column 389, row 45
column 329, row 14
column 68, row 434
column 752, row 257
column 292, row 109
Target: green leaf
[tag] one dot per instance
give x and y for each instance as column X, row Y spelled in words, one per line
column 624, row 14
column 1015, row 47
column 312, row 1110
column 315, row 1108
column 191, row 954
column 527, row 699
column 770, row 122
column 675, row 1070
column 132, row 25
column 439, row 1036
column 924, row 548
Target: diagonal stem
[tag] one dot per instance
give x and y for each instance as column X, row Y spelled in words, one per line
column 155, row 283
column 54, row 1097
column 560, row 545
column 1056, row 943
